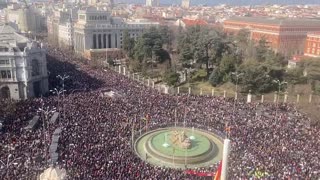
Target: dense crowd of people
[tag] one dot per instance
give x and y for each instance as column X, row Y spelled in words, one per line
column 95, row 142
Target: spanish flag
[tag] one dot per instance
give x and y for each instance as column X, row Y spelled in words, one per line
column 218, row 173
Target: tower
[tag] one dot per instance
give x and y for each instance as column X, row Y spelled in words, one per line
column 185, row 4
column 152, row 3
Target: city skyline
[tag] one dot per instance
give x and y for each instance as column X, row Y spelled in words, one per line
column 230, row 2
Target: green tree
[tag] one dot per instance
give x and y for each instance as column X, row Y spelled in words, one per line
column 128, row 44
column 171, row 77
column 215, row 77
column 227, row 65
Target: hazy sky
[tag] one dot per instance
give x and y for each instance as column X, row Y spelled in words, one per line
column 233, row 2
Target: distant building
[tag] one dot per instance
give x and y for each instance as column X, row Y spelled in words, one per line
column 185, row 4
column 152, row 3
column 184, row 23
column 23, row 66
column 66, row 34
column 286, row 36
column 312, row 47
column 60, row 26
column 28, row 19
column 97, row 29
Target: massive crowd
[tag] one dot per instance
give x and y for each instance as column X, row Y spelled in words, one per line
column 95, row 140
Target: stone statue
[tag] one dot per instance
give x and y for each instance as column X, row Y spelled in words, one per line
column 180, row 139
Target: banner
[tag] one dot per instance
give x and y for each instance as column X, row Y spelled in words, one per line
column 200, row 174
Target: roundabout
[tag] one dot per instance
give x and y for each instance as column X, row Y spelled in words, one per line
column 178, row 147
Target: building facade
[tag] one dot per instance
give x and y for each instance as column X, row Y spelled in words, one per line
column 286, row 36
column 97, row 29
column 152, row 3
column 185, row 4
column 60, row 26
column 66, row 34
column 23, row 66
column 312, row 48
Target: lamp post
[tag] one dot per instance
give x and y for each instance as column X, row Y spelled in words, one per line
column 280, row 84
column 63, row 78
column 9, row 163
column 45, row 112
column 237, row 75
column 58, row 92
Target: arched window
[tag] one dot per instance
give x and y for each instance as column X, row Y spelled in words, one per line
column 5, row 93
column 35, row 67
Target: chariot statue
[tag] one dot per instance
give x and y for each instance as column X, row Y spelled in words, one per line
column 180, row 139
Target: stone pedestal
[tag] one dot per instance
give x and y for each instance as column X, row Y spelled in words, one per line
column 262, row 98
column 249, row 98
column 285, row 99
column 275, row 97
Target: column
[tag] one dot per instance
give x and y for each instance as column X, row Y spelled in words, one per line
column 249, row 98
column 262, row 98
column 189, row 90
column 200, row 91
column 226, row 150
column 298, row 98
column 104, row 41
column 285, row 97
column 97, row 42
column 124, row 71
column 148, row 82
column 310, row 97
column 275, row 97
column 212, row 92
column 109, row 40
column 178, row 90
column 224, row 94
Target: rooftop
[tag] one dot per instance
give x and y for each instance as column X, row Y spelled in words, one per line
column 277, row 21
column 192, row 22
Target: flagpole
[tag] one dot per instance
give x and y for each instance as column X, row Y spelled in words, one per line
column 226, row 150
column 132, row 134
column 175, row 113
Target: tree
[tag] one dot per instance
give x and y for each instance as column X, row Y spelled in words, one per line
column 215, row 78
column 227, row 65
column 128, row 43
column 262, row 50
column 171, row 77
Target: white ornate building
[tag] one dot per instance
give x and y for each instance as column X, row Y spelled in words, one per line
column 23, row 66
column 97, row 29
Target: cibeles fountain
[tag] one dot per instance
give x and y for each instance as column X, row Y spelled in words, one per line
column 179, row 147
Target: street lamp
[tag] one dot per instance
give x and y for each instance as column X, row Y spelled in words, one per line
column 63, row 78
column 9, row 163
column 45, row 112
column 280, row 84
column 237, row 75
column 58, row 92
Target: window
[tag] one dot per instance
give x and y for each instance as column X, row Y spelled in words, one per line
column 35, row 67
column 5, row 74
column 4, row 62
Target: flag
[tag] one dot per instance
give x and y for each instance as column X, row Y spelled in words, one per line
column 218, row 173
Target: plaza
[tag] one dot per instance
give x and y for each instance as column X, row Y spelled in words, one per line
column 157, row 148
